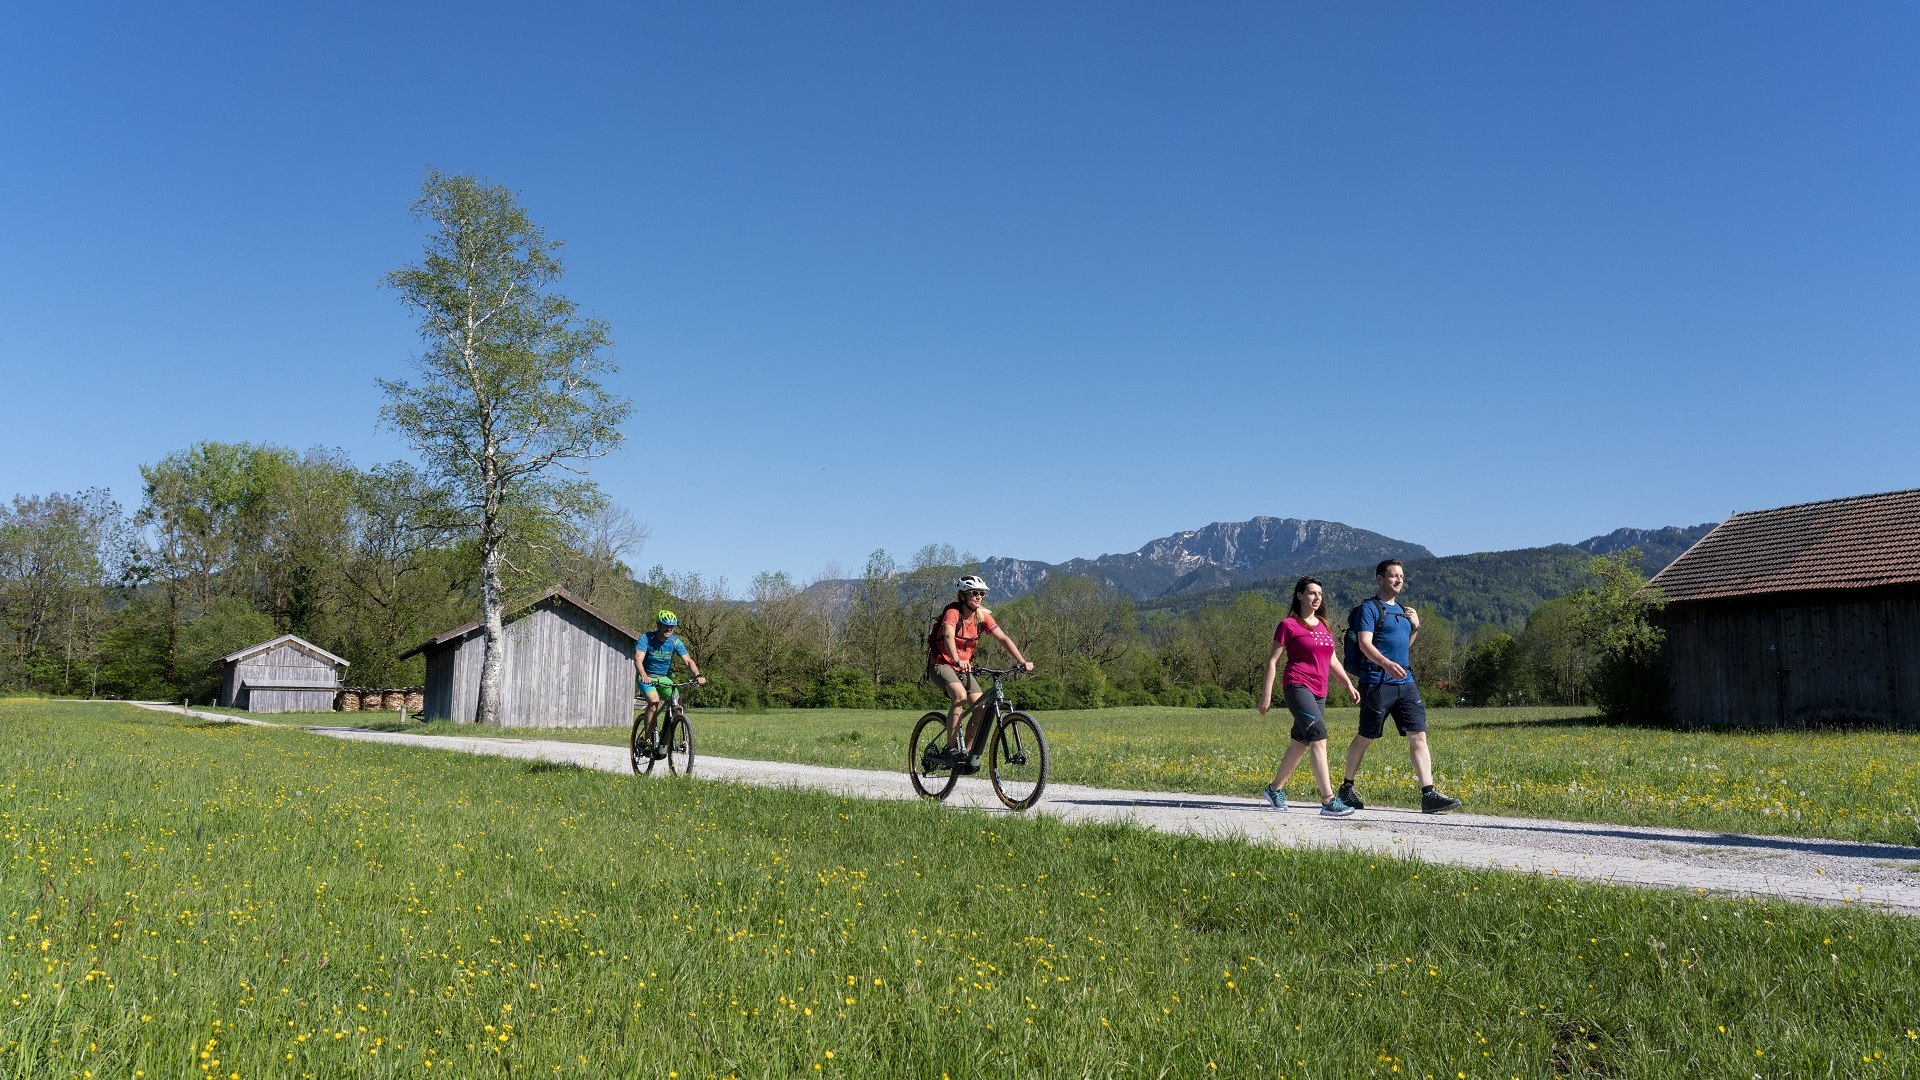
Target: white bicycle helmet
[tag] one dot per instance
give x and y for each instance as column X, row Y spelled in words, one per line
column 971, row 583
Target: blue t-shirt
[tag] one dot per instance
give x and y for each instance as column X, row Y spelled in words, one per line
column 1392, row 635
column 659, row 650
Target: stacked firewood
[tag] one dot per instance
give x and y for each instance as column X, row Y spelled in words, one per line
column 364, row 699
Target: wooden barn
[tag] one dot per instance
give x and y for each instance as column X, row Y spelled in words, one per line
column 564, row 665
column 1803, row 615
column 287, row 674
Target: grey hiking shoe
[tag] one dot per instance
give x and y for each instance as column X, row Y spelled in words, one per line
column 1334, row 807
column 1275, row 799
column 1347, row 797
column 1433, row 802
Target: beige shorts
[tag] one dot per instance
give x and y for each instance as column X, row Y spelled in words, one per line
column 946, row 676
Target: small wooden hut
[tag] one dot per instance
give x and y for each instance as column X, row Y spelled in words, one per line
column 563, row 665
column 287, row 674
column 1802, row 615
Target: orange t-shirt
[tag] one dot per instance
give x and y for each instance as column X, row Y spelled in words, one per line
column 966, row 636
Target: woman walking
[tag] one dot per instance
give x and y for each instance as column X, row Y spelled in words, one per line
column 1308, row 644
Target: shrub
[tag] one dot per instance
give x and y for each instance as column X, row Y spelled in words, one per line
column 1087, row 685
column 908, row 695
column 843, row 688
column 1631, row 686
column 719, row 693
column 1040, row 692
column 1219, row 697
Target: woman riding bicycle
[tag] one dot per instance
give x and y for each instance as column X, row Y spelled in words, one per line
column 653, row 659
column 956, row 634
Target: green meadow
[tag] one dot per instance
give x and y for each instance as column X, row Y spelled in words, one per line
column 187, row 898
column 1538, row 762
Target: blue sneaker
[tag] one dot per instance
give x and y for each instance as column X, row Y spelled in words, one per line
column 1335, row 808
column 1275, row 799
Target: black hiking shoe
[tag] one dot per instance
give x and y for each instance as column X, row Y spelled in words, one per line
column 1346, row 795
column 1432, row 802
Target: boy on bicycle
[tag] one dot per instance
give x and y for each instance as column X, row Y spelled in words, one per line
column 956, row 633
column 653, row 659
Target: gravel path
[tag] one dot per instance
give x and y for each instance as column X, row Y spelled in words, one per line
column 1882, row 876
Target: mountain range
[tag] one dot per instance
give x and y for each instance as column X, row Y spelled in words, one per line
column 1219, row 556
column 1267, row 554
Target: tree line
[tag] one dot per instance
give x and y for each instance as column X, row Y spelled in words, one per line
column 235, row 543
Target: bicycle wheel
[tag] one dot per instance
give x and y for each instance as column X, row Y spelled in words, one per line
column 1017, row 761
column 637, row 747
column 931, row 777
column 680, row 744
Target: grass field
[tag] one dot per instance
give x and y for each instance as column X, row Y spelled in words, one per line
column 205, row 899
column 1554, row 763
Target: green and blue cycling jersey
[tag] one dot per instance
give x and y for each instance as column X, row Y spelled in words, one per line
column 658, row 651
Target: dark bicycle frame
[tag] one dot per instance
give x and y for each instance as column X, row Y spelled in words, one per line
column 670, row 707
column 986, row 714
column 673, row 709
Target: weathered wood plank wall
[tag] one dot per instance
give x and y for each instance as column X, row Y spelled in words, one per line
column 282, row 666
column 561, row 668
column 1795, row 660
column 280, row 701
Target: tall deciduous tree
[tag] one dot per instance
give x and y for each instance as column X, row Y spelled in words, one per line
column 61, row 557
column 508, row 406
column 1629, row 680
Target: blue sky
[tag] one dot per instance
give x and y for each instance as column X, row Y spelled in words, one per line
column 1033, row 280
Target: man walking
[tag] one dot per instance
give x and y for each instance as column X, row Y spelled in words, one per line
column 1384, row 630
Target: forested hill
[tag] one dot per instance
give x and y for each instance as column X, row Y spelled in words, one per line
column 1221, row 555
column 1191, row 569
column 1488, row 588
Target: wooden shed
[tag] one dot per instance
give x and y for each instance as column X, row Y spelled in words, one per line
column 564, row 665
column 287, row 674
column 1803, row 615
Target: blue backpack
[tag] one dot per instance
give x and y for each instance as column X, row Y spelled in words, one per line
column 1351, row 657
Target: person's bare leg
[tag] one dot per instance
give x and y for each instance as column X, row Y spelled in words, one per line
column 1356, row 750
column 1291, row 761
column 1320, row 777
column 1422, row 759
column 956, row 710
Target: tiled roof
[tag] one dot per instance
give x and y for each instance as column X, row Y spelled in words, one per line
column 1852, row 543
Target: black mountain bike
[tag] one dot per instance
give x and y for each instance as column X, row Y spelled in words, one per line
column 1016, row 757
column 674, row 744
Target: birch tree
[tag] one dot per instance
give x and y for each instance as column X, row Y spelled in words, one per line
column 507, row 407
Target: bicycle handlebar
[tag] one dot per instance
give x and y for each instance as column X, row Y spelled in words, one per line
column 1000, row 673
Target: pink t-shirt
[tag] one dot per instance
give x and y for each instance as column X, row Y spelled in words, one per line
column 1309, row 654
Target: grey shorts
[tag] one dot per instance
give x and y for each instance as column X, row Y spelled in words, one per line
column 1309, row 714
column 945, row 676
column 1398, row 700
